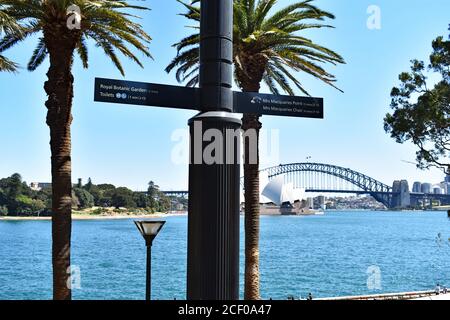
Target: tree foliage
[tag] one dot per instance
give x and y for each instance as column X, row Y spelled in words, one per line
column 102, row 21
column 123, row 198
column 17, row 198
column 84, row 198
column 267, row 45
column 421, row 108
column 8, row 25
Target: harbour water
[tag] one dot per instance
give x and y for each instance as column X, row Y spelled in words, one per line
column 339, row 253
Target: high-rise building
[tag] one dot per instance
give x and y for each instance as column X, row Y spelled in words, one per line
column 425, row 188
column 447, row 178
column 437, row 190
column 416, row 187
column 446, row 187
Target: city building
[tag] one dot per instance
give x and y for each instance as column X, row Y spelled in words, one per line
column 437, row 190
column 417, row 187
column 425, row 188
column 446, row 187
column 38, row 186
column 321, row 202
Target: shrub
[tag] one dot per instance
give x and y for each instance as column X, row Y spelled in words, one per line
column 3, row 211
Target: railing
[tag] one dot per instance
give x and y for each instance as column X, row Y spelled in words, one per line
column 387, row 296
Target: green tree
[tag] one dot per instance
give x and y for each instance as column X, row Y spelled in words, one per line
column 421, row 110
column 12, row 188
column 142, row 200
column 153, row 193
column 108, row 24
column 104, row 196
column 45, row 195
column 2, row 197
column 89, row 185
column 85, row 199
column 123, row 198
column 28, row 206
column 163, row 202
column 267, row 48
column 18, row 197
column 153, row 189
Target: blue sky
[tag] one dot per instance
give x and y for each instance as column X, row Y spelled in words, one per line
column 130, row 145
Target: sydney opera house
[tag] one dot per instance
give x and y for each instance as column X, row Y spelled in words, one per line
column 278, row 196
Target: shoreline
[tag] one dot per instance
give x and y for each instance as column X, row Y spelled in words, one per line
column 157, row 215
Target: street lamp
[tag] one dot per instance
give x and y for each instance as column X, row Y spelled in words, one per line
column 149, row 230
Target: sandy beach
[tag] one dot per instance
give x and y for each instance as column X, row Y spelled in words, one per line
column 157, row 215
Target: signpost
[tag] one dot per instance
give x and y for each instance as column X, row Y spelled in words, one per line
column 277, row 105
column 145, row 94
column 213, row 220
column 158, row 95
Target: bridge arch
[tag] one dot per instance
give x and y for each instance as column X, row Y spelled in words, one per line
column 380, row 191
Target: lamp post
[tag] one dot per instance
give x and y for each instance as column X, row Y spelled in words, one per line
column 149, row 230
column 213, row 223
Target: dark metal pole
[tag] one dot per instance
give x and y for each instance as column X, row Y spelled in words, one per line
column 213, row 224
column 148, row 280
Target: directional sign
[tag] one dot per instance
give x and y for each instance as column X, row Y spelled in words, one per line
column 278, row 105
column 146, row 94
column 157, row 95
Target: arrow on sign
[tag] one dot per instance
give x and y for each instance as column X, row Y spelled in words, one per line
column 277, row 105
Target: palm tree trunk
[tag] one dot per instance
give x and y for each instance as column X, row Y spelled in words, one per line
column 251, row 194
column 59, row 89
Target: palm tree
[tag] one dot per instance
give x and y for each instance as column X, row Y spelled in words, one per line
column 267, row 49
column 107, row 24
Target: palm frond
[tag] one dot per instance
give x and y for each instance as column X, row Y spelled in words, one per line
column 38, row 56
column 109, row 23
column 83, row 52
column 7, row 65
column 265, row 35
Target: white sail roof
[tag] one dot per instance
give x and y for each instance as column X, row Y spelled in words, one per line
column 280, row 192
column 277, row 191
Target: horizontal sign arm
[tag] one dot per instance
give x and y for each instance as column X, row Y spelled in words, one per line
column 278, row 105
column 145, row 94
column 158, row 95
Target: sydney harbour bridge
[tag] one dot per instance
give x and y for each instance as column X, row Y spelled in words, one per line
column 325, row 178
